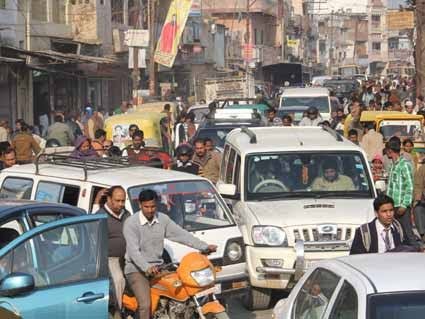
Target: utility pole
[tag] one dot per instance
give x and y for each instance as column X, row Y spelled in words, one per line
column 331, row 43
column 153, row 67
column 420, row 47
column 283, row 31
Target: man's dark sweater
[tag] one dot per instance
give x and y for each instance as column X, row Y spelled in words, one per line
column 116, row 244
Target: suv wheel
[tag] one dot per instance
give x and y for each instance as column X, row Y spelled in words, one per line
column 257, row 298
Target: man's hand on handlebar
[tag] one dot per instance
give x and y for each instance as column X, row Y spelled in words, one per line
column 153, row 271
column 211, row 249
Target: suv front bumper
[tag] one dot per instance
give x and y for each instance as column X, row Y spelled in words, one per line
column 292, row 263
column 232, row 278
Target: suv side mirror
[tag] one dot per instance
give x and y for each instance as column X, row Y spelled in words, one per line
column 227, row 189
column 16, row 284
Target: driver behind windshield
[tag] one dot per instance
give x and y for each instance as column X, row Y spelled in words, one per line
column 331, row 179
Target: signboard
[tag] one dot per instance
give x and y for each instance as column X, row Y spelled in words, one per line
column 292, row 43
column 167, row 48
column 136, row 38
column 400, row 20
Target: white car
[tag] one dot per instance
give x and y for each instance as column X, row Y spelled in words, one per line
column 191, row 201
column 369, row 286
column 313, row 96
column 273, row 177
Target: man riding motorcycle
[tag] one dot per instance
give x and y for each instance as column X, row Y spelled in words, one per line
column 144, row 233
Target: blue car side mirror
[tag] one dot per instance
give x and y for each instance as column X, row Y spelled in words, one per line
column 16, row 284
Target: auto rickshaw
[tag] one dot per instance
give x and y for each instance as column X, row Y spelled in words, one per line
column 117, row 128
column 158, row 107
column 405, row 126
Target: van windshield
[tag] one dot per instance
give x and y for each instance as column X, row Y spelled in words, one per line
column 298, row 175
column 194, row 205
column 321, row 102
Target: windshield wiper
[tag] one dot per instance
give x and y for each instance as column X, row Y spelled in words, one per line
column 289, row 195
column 343, row 194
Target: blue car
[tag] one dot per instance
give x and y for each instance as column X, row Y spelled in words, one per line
column 52, row 266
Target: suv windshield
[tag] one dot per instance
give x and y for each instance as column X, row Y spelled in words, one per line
column 295, row 175
column 400, row 305
column 194, row 205
column 321, row 102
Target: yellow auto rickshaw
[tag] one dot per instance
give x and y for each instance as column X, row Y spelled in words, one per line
column 388, row 123
column 117, row 128
column 158, row 107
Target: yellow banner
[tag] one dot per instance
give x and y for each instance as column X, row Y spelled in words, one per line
column 167, row 47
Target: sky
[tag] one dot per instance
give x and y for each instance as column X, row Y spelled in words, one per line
column 326, row 6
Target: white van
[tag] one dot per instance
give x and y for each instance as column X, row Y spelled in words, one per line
column 191, row 201
column 290, row 184
column 317, row 97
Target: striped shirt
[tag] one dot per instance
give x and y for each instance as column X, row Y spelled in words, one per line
column 400, row 183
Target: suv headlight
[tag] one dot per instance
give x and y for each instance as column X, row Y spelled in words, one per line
column 203, row 277
column 269, row 236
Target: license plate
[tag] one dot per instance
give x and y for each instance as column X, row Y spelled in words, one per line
column 310, row 263
column 213, row 290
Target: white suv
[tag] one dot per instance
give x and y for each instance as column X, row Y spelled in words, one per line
column 191, row 201
column 288, row 184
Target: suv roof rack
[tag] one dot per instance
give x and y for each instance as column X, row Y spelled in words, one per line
column 63, row 159
column 334, row 133
column 251, row 134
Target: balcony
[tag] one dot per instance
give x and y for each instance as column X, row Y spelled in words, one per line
column 376, row 26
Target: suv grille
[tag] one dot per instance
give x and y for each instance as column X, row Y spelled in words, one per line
column 312, row 234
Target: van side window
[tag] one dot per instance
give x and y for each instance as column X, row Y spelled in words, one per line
column 57, row 193
column 16, row 188
column 237, row 174
column 225, row 158
column 230, row 166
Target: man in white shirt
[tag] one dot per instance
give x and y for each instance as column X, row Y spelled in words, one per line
column 381, row 235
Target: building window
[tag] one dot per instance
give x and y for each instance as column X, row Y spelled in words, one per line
column 376, row 18
column 39, row 10
column 322, row 47
column 258, row 37
column 59, row 11
column 376, row 46
column 117, row 11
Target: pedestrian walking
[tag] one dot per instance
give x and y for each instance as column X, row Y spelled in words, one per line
column 60, row 132
column 383, row 234
column 400, row 187
column 25, row 145
column 372, row 141
column 83, row 149
column 114, row 208
column 209, row 168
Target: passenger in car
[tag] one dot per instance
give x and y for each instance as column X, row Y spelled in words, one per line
column 331, row 179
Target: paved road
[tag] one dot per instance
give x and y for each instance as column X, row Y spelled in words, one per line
column 237, row 311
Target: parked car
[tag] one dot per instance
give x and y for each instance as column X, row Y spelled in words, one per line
column 50, row 265
column 190, row 200
column 273, row 179
column 378, row 286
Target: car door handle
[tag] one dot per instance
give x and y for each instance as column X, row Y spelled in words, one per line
column 90, row 297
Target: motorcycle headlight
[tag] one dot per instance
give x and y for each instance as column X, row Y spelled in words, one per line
column 269, row 236
column 203, row 277
column 234, row 251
